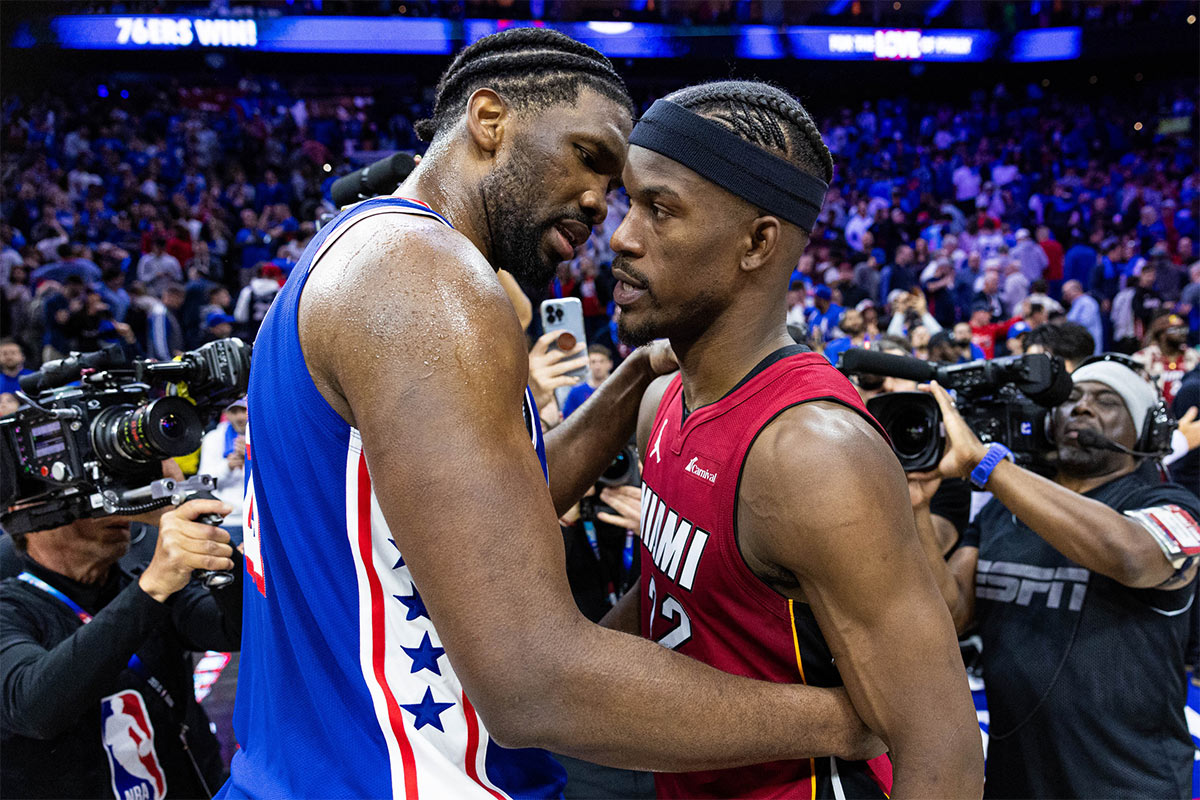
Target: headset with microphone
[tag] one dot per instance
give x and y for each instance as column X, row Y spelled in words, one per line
column 1157, row 425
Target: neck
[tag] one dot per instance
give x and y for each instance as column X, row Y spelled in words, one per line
column 12, row 373
column 80, row 560
column 1085, row 483
column 456, row 196
column 1170, row 350
column 732, row 345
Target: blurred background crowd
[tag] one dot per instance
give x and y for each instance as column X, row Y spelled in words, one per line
column 160, row 200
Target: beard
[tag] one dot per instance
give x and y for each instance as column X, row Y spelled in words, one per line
column 682, row 324
column 517, row 238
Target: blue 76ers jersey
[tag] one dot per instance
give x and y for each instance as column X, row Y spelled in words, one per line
column 344, row 689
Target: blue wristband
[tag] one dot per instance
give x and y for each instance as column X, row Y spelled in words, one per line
column 983, row 470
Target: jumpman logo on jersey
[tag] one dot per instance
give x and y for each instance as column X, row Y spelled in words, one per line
column 654, row 451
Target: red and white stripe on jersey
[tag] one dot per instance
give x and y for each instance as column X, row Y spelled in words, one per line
column 425, row 762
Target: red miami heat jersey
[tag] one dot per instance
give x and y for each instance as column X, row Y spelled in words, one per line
column 699, row 597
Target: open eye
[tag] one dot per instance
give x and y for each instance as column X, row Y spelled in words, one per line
column 586, row 156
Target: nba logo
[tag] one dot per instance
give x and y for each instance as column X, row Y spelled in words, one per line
column 128, row 740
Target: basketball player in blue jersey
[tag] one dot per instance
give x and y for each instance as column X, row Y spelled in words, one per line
column 408, row 621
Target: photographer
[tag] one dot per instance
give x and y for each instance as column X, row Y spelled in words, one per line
column 1080, row 600
column 95, row 665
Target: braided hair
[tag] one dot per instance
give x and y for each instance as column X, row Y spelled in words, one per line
column 532, row 67
column 763, row 115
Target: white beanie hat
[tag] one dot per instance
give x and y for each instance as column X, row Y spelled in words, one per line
column 1136, row 391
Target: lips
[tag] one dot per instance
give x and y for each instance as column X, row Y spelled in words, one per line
column 574, row 231
column 627, row 290
column 567, row 235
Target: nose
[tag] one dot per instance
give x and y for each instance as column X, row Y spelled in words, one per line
column 1082, row 406
column 595, row 204
column 623, row 241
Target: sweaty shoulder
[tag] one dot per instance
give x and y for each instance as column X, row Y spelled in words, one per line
column 400, row 297
column 813, row 466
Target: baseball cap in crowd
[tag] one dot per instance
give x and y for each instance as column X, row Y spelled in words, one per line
column 823, row 292
column 864, row 305
column 217, row 318
column 1023, row 233
column 239, row 403
column 1018, row 328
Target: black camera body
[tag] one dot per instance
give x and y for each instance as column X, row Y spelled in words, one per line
column 623, row 471
column 91, row 439
column 1006, row 400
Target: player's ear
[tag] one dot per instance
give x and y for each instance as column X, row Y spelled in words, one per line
column 487, row 116
column 762, row 242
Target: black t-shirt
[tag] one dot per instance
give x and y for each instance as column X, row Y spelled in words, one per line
column 1186, row 471
column 1084, row 676
column 76, row 712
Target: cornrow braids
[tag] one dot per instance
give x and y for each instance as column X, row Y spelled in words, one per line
column 764, row 115
column 532, row 67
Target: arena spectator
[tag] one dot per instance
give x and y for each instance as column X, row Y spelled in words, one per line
column 164, row 335
column 223, row 456
column 854, row 328
column 12, row 365
column 600, row 365
column 158, row 268
column 256, row 298
column 822, row 317
column 1067, row 340
column 1166, row 356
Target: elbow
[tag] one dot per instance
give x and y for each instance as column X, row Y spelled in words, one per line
column 519, row 700
column 1139, row 569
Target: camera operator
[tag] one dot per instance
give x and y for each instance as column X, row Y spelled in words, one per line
column 946, row 505
column 1081, row 601
column 95, row 665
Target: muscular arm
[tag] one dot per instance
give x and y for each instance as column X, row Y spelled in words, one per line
column 847, row 539
column 1084, row 530
column 433, row 379
column 578, row 449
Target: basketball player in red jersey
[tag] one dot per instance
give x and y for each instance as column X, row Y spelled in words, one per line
column 778, row 542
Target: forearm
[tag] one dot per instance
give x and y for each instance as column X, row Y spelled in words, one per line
column 624, row 616
column 931, row 547
column 627, row 702
column 579, row 449
column 44, row 690
column 1084, row 530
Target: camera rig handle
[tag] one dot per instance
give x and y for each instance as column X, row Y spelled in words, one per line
column 197, row 487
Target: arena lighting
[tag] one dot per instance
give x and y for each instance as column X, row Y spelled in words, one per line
column 616, row 39
column 1048, row 44
column 865, row 44
column 610, row 28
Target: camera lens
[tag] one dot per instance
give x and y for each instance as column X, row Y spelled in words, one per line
column 913, row 423
column 911, row 431
column 131, row 437
column 171, row 426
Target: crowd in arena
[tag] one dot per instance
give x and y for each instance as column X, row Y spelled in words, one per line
column 170, row 216
column 161, row 215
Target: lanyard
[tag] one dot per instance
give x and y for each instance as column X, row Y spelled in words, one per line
column 135, row 663
column 33, row 580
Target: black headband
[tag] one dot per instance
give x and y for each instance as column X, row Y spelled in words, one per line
column 721, row 156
